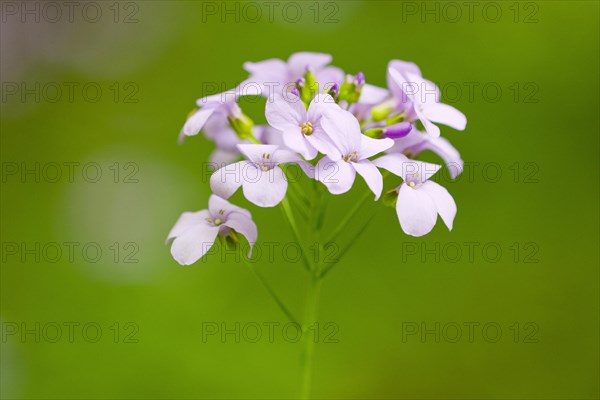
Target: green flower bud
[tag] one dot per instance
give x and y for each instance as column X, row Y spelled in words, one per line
column 395, row 119
column 308, row 87
column 374, row 132
column 381, row 112
column 243, row 127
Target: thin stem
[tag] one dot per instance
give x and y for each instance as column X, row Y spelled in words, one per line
column 312, row 301
column 326, row 270
column 302, row 208
column 349, row 216
column 287, row 211
column 274, row 296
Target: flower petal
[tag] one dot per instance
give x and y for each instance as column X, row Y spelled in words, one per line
column 283, row 114
column 369, row 146
column 343, row 129
column 416, row 211
column 298, row 62
column 225, row 181
column 196, row 121
column 444, row 203
column 216, row 204
column 192, row 244
column 186, row 221
column 329, row 75
column 267, row 189
column 338, row 176
column 371, row 175
column 371, row 94
column 409, row 170
column 295, row 140
column 447, row 115
column 245, row 226
column 443, row 148
column 254, row 152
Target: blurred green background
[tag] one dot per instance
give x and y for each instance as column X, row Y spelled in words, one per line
column 540, row 134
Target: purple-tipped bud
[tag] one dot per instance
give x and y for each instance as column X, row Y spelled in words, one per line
column 295, row 92
column 334, row 90
column 360, row 79
column 300, row 82
column 398, row 130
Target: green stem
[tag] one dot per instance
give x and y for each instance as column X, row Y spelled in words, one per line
column 349, row 216
column 287, row 211
column 326, row 270
column 274, row 296
column 310, row 317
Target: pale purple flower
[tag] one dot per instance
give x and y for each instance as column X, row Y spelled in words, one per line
column 419, row 199
column 424, row 96
column 278, row 75
column 221, row 105
column 301, row 129
column 194, row 233
column 262, row 180
column 220, row 132
column 353, row 151
column 416, row 142
column 403, row 103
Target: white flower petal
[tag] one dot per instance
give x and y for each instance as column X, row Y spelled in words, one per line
column 371, row 94
column 416, row 211
column 216, row 204
column 298, row 62
column 447, row 115
column 444, row 203
column 196, row 121
column 371, row 175
column 225, row 181
column 343, row 129
column 295, row 140
column 409, row 170
column 255, row 152
column 192, row 244
column 338, row 176
column 188, row 220
column 268, row 189
column 283, row 114
column 369, row 146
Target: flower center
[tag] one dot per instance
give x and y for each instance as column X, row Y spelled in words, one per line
column 217, row 221
column 352, row 157
column 307, row 128
column 266, row 164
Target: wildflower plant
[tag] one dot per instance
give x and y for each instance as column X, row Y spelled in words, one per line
column 332, row 127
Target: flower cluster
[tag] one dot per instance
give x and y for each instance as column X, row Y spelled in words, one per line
column 332, row 126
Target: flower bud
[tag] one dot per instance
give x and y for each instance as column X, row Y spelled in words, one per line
column 333, row 90
column 398, row 130
column 381, row 112
column 242, row 125
column 375, row 133
column 352, row 88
